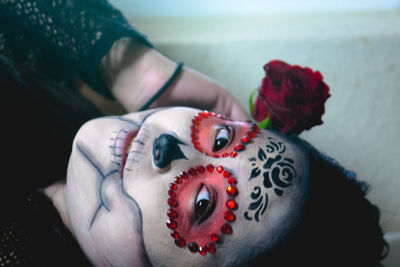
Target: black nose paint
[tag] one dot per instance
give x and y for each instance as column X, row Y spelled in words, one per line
column 166, row 149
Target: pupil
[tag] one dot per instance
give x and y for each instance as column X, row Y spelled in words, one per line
column 201, row 206
column 220, row 143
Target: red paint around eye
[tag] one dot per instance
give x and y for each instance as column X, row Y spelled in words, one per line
column 206, row 124
column 189, row 231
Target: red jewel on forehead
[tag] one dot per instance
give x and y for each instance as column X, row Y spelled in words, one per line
column 213, row 240
column 202, row 117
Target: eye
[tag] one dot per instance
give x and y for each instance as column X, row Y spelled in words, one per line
column 204, row 205
column 222, row 138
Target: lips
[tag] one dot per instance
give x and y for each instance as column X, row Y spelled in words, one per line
column 123, row 142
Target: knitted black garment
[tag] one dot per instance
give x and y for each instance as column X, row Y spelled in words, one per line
column 63, row 38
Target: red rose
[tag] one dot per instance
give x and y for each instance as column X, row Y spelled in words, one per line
column 293, row 97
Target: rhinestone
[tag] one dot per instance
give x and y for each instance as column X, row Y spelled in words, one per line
column 174, row 234
column 232, row 180
column 184, row 175
column 233, row 154
column 192, row 171
column 225, row 155
column 180, row 242
column 231, row 204
column 220, row 169
column 226, row 174
column 245, row 139
column 202, row 250
column 214, row 237
column 226, row 229
column 178, row 180
column 172, row 202
column 252, row 134
column 172, row 186
column 210, row 247
column 171, row 193
column 229, row 216
column 172, row 213
column 172, row 224
column 200, row 169
column 210, row 168
column 231, row 190
column 193, row 247
column 238, row 147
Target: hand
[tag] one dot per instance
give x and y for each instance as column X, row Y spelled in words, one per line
column 135, row 73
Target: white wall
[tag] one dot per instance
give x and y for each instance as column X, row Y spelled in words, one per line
column 191, row 8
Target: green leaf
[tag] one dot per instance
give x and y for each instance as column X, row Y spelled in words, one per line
column 251, row 101
column 265, row 124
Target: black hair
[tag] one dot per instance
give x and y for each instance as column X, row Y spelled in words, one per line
column 39, row 121
column 339, row 225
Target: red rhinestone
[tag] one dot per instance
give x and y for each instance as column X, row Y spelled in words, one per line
column 231, row 204
column 226, row 174
column 180, row 242
column 184, row 175
column 193, row 247
column 225, row 155
column 174, row 234
column 172, row 224
column 204, row 114
column 172, row 202
column 214, row 237
column 195, row 122
column 196, row 144
column 229, row 216
column 172, row 213
column 172, row 186
column 200, row 169
column 226, row 229
column 210, row 247
column 192, row 171
column 238, row 147
column 232, row 180
column 178, row 180
column 233, row 154
column 231, row 190
column 210, row 168
column 194, row 129
column 255, row 128
column 198, row 118
column 171, row 193
column 252, row 134
column 220, row 169
column 202, row 250
column 245, row 139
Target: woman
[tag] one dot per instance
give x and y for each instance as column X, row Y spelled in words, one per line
column 291, row 205
column 117, row 208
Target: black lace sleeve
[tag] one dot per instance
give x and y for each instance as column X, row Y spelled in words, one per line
column 63, row 38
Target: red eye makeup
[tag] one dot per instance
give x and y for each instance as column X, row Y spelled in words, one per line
column 202, row 208
column 217, row 136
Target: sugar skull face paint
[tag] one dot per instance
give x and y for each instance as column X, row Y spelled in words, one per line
column 128, row 205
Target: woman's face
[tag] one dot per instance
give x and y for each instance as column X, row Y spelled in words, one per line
column 148, row 188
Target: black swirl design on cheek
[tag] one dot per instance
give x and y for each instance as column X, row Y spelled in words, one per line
column 276, row 171
column 259, row 204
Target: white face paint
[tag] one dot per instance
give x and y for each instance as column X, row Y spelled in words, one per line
column 117, row 188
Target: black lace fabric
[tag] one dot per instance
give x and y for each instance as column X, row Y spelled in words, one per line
column 63, row 38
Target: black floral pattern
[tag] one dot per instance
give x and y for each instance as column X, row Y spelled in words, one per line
column 277, row 172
